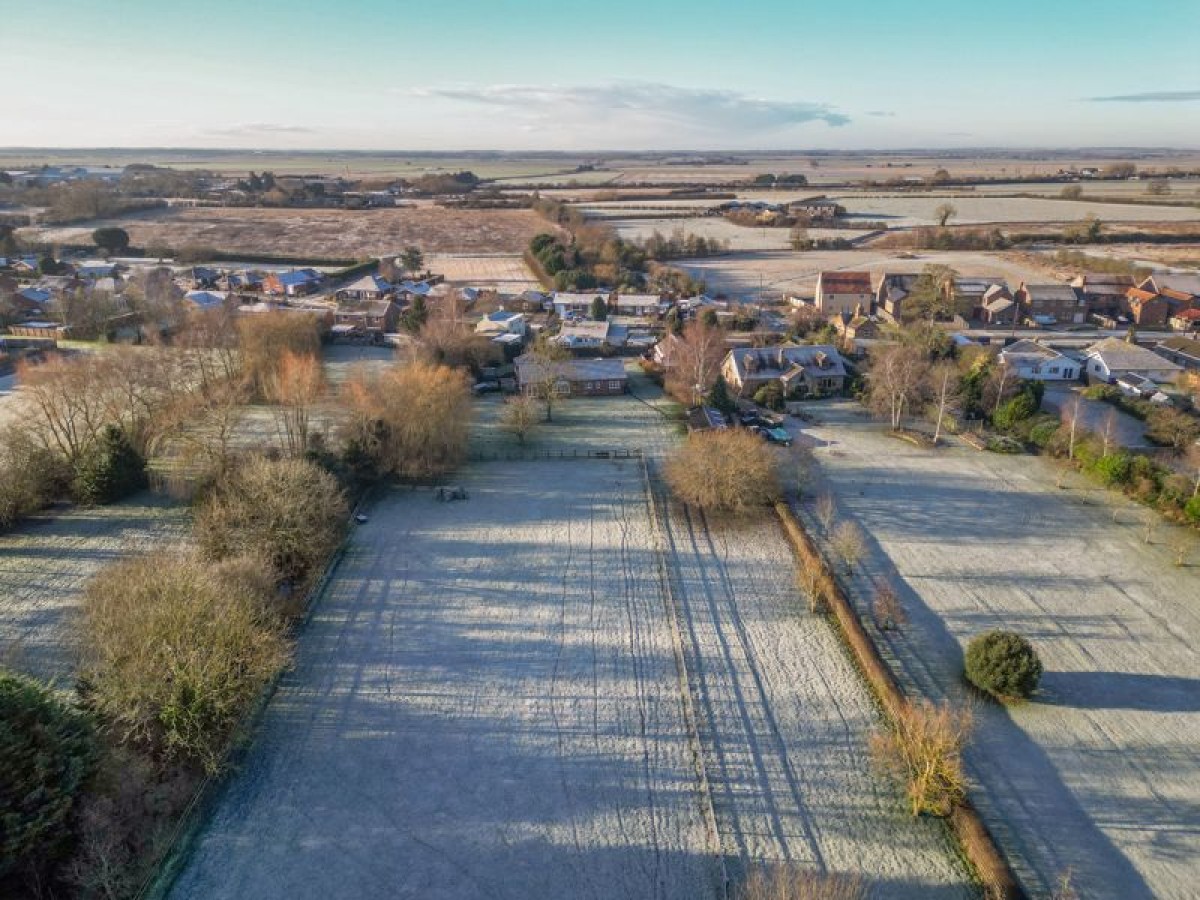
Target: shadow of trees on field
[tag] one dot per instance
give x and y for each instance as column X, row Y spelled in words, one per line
column 1120, row 690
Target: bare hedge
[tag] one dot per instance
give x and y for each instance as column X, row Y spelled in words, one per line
column 724, row 472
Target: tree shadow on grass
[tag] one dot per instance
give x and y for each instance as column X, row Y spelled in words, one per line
column 1120, row 690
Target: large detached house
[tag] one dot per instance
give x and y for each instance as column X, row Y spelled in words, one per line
column 801, row 370
column 1051, row 304
column 297, row 283
column 843, row 292
column 1112, row 359
column 1184, row 351
column 1037, row 362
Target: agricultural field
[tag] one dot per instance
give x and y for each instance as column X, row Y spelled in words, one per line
column 777, row 272
column 1101, row 772
column 45, row 563
column 507, row 272
column 902, row 211
column 335, row 233
column 739, row 237
column 486, row 703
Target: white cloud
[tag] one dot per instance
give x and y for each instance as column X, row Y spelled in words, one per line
column 636, row 109
column 1149, row 97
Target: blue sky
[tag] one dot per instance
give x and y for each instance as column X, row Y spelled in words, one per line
column 619, row 74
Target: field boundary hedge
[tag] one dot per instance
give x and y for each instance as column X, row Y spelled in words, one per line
column 977, row 842
column 197, row 813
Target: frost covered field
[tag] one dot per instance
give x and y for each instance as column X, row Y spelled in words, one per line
column 486, row 704
column 45, row 563
column 1102, row 772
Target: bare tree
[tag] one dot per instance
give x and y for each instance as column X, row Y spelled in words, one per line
column 849, row 543
column 520, row 416
column 943, row 382
column 547, row 358
column 944, row 212
column 889, row 611
column 826, row 511
column 1108, row 431
column 896, row 380
column 695, row 361
column 1070, row 418
column 294, row 387
column 924, row 748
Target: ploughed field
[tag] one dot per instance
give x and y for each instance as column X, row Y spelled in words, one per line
column 1101, row 772
column 486, row 703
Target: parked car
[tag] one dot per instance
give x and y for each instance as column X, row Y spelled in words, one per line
column 774, row 435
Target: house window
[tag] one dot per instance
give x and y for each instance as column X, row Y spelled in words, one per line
column 1054, row 370
column 614, row 385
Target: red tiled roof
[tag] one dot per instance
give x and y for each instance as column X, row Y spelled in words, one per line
column 850, row 282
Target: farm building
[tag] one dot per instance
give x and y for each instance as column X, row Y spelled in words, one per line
column 573, row 377
column 1051, row 304
column 1037, row 362
column 816, row 208
column 843, row 292
column 800, row 370
column 1113, row 358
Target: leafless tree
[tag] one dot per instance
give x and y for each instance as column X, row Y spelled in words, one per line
column 889, row 611
column 695, row 361
column 895, row 381
column 723, row 472
column 1070, row 417
column 849, row 543
column 547, row 358
column 294, row 387
column 943, row 383
column 1108, row 431
column 826, row 511
column 520, row 416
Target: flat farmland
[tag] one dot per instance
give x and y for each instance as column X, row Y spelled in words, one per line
column 908, row 210
column 786, row 271
column 484, row 705
column 1101, row 773
column 739, row 237
column 507, row 272
column 45, row 563
column 323, row 232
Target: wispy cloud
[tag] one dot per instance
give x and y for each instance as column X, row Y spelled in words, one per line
column 1150, row 97
column 253, row 129
column 881, row 113
column 638, row 104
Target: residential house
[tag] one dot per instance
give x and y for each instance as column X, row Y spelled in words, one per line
column 997, row 307
column 1051, row 304
column 1104, row 293
column 93, row 269
column 891, row 293
column 572, row 377
column 585, row 335
column 1146, row 308
column 965, row 296
column 376, row 317
column 1187, row 320
column 296, row 283
column 816, row 208
column 638, row 305
column 1183, row 351
column 843, row 292
column 577, row 304
column 502, row 322
column 1113, row 358
column 367, row 289
column 856, row 327
column 1035, row 361
column 202, row 300
column 533, row 301
column 1178, row 292
column 801, row 370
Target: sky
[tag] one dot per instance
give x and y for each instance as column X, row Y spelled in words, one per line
column 611, row 75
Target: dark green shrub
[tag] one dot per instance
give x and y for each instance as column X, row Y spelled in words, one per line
column 719, row 399
column 770, row 395
column 1191, row 509
column 1115, row 468
column 1021, row 407
column 1041, row 434
column 110, row 470
column 47, row 753
column 1003, row 664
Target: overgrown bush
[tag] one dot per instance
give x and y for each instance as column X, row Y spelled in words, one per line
column 770, row 395
column 1114, row 468
column 1003, row 664
column 30, row 476
column 109, row 470
column 176, row 649
column 923, row 747
column 288, row 511
column 788, row 882
column 47, row 753
column 723, row 472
